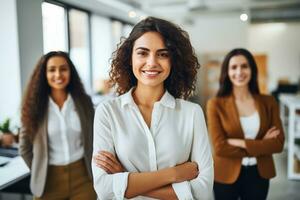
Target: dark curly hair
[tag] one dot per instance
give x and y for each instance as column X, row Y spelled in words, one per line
column 184, row 63
column 225, row 88
column 36, row 98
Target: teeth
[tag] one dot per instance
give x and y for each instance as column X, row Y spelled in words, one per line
column 151, row 72
column 58, row 81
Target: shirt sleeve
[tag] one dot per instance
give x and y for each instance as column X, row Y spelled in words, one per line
column 183, row 190
column 200, row 187
column 107, row 186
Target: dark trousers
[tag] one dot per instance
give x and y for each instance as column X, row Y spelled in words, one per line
column 248, row 186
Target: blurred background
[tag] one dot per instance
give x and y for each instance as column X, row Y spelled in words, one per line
column 91, row 29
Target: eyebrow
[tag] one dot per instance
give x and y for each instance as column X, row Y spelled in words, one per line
column 146, row 49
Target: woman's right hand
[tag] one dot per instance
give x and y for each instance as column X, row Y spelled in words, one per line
column 272, row 133
column 108, row 162
column 186, row 171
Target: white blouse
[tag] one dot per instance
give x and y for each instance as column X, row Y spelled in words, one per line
column 177, row 134
column 64, row 133
column 250, row 125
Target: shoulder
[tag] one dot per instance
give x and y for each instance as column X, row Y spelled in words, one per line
column 267, row 99
column 109, row 104
column 188, row 106
column 217, row 101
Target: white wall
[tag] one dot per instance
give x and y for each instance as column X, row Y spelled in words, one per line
column 281, row 42
column 217, row 33
column 10, row 87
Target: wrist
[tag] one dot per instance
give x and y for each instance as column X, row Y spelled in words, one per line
column 170, row 175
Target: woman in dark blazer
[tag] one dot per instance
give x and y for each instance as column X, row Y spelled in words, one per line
column 245, row 129
column 56, row 137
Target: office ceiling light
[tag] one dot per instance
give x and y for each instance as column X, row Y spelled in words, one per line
column 132, row 14
column 244, row 17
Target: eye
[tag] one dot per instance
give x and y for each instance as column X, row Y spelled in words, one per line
column 142, row 53
column 163, row 54
column 51, row 70
column 233, row 67
column 64, row 69
column 245, row 66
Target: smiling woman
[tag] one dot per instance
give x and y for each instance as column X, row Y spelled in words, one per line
column 58, row 74
column 246, row 130
column 56, row 135
column 151, row 64
column 135, row 133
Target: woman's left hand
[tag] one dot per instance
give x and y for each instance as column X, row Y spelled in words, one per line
column 237, row 142
column 108, row 162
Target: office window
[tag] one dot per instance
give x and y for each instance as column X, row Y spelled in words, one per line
column 79, row 45
column 117, row 32
column 89, row 39
column 54, row 27
column 101, row 52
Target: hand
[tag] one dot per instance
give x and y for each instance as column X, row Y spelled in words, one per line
column 186, row 171
column 7, row 140
column 108, row 162
column 237, row 142
column 272, row 133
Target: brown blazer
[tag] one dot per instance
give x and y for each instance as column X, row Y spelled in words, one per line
column 224, row 123
column 35, row 152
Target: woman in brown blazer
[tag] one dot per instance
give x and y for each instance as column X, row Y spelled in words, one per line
column 245, row 129
column 57, row 130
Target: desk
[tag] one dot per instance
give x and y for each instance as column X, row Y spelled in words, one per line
column 13, row 171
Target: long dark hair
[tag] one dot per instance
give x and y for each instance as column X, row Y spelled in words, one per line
column 225, row 88
column 36, row 97
column 184, row 63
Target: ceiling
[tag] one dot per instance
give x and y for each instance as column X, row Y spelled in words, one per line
column 188, row 10
column 258, row 10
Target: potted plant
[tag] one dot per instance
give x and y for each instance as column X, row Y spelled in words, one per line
column 7, row 138
column 4, row 127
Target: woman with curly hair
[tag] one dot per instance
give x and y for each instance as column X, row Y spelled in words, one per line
column 149, row 143
column 56, row 137
column 246, row 131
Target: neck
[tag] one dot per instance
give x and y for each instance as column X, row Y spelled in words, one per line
column 147, row 96
column 59, row 96
column 241, row 93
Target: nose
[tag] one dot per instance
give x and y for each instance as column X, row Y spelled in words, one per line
column 239, row 70
column 152, row 61
column 57, row 73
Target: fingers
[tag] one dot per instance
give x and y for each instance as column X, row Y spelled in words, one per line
column 275, row 133
column 104, row 163
column 110, row 156
column 272, row 133
column 108, row 162
column 271, row 130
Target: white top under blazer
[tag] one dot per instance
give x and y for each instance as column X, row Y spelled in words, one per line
column 65, row 142
column 250, row 125
column 177, row 134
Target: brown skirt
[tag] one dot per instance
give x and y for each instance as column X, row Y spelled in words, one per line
column 68, row 182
